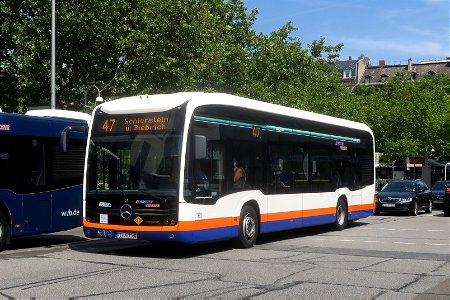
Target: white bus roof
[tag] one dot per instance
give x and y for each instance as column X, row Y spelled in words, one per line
column 60, row 114
column 163, row 102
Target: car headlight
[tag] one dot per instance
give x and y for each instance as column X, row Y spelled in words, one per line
column 406, row 200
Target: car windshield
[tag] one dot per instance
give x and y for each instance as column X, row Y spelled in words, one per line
column 398, row 186
column 440, row 185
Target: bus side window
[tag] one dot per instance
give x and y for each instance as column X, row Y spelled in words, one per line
column 37, row 164
column 204, row 176
column 8, row 176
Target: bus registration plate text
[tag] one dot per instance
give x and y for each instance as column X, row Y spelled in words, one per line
column 126, row 235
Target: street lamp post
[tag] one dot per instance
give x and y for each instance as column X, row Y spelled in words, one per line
column 97, row 99
column 53, row 58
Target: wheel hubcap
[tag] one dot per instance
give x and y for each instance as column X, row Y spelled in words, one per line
column 249, row 227
column 340, row 215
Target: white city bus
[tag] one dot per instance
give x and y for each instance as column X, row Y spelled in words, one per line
column 161, row 168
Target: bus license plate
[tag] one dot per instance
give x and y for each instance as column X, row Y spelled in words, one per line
column 126, row 235
column 388, row 205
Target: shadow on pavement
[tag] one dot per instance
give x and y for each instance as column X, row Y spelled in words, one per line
column 178, row 251
column 43, row 240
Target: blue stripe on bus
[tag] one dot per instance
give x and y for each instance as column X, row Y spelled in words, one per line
column 229, row 232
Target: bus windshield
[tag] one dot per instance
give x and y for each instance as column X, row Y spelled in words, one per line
column 134, row 154
column 143, row 162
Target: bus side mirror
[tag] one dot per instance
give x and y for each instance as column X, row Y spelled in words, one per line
column 64, row 138
column 200, row 147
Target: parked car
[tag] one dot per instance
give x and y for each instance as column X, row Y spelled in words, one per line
column 447, row 201
column 438, row 191
column 404, row 196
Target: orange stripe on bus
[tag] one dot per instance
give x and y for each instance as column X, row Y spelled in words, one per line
column 181, row 226
column 228, row 221
column 354, row 208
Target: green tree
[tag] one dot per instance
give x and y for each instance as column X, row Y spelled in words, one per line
column 149, row 46
column 406, row 116
column 282, row 71
column 89, row 47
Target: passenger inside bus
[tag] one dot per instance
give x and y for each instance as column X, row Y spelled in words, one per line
column 239, row 176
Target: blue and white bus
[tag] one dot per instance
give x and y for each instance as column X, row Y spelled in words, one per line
column 195, row 167
column 40, row 185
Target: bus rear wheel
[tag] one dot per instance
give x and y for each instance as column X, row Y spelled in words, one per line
column 341, row 215
column 248, row 227
column 3, row 231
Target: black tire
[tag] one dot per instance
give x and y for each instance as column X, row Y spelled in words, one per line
column 447, row 212
column 3, row 231
column 429, row 209
column 415, row 209
column 341, row 215
column 248, row 227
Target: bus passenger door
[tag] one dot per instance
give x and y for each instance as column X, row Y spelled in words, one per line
column 35, row 200
column 36, row 212
column 286, row 184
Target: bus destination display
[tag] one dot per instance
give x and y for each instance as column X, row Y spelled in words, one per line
column 129, row 124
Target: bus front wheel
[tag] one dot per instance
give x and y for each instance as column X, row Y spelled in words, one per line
column 248, row 227
column 3, row 231
column 341, row 215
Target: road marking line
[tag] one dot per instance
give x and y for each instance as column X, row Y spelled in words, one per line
column 436, row 244
column 346, row 240
column 404, row 243
column 435, row 230
column 373, row 242
column 407, row 229
column 319, row 239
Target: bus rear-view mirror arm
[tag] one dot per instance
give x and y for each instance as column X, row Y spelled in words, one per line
column 64, row 139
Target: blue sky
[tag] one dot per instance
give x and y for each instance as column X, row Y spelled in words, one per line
column 390, row 30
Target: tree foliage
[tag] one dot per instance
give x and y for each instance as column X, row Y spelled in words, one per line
column 149, row 46
column 406, row 116
column 129, row 47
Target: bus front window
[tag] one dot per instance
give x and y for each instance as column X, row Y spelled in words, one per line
column 142, row 162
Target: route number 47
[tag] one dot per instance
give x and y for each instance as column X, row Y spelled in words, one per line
column 108, row 125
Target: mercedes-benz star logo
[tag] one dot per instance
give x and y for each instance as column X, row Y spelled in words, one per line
column 126, row 211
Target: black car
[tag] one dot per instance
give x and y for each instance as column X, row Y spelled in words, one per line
column 404, row 196
column 438, row 191
column 447, row 201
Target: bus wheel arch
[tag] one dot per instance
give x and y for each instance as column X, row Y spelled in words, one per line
column 5, row 228
column 341, row 220
column 249, row 224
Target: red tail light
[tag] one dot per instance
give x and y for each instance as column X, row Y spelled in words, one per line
column 447, row 189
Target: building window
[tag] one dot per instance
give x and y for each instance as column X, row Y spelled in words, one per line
column 367, row 78
column 384, row 77
column 347, row 74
